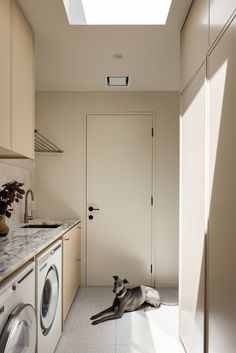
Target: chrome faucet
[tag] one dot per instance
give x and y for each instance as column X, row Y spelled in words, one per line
column 26, row 216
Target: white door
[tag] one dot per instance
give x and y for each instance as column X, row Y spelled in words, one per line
column 119, row 185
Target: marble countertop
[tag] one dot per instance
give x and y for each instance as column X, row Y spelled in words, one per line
column 22, row 244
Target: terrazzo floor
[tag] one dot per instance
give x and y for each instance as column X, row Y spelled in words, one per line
column 154, row 331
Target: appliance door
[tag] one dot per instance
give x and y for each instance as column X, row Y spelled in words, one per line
column 19, row 332
column 49, row 300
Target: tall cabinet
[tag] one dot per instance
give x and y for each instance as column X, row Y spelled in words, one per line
column 221, row 70
column 192, row 218
column 208, row 173
column 17, row 82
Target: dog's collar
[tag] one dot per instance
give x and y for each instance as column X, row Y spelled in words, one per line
column 121, row 295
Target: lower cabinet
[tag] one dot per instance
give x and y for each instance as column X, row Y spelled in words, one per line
column 71, row 267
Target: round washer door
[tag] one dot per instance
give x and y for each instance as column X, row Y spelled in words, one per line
column 19, row 333
column 49, row 300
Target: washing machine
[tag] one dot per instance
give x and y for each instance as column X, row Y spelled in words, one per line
column 17, row 314
column 48, row 298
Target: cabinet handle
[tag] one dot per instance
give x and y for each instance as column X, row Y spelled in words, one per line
column 67, row 238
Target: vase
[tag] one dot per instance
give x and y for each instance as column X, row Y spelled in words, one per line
column 4, row 229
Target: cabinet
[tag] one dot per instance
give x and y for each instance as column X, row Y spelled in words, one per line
column 194, row 40
column 192, row 214
column 222, row 195
column 220, row 12
column 5, row 60
column 208, row 197
column 17, row 83
column 22, row 85
column 71, row 266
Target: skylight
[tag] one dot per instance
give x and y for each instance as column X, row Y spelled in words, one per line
column 117, row 12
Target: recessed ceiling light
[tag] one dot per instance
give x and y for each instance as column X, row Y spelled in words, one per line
column 117, row 12
column 117, row 81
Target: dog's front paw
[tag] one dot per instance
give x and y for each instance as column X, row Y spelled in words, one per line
column 93, row 317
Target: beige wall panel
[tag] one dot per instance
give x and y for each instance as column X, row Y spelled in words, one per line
column 192, row 226
column 60, row 178
column 220, row 12
column 5, row 62
column 222, row 240
column 194, row 41
column 22, row 85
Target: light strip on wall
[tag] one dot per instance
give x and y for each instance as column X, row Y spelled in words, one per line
column 117, row 12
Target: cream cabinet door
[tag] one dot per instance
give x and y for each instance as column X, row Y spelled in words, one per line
column 194, row 41
column 22, row 85
column 71, row 267
column 220, row 12
column 192, row 214
column 5, row 60
column 77, row 259
column 222, row 194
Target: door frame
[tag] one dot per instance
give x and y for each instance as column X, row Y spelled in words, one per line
column 153, row 115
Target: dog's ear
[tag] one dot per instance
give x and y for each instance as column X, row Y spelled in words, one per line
column 125, row 281
column 115, row 277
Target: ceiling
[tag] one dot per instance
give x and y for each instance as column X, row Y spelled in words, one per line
column 77, row 58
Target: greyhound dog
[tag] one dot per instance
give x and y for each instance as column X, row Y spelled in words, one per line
column 128, row 299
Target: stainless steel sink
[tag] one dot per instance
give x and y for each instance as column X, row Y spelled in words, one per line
column 41, row 225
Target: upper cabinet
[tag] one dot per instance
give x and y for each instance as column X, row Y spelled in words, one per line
column 220, row 12
column 5, row 60
column 17, row 83
column 22, row 85
column 194, row 40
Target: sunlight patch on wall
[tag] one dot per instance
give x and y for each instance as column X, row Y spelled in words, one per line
column 216, row 83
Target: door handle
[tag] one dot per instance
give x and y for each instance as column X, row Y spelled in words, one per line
column 93, row 209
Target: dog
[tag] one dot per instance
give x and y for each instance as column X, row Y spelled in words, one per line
column 127, row 299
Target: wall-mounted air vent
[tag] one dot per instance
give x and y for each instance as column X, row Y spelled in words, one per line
column 114, row 81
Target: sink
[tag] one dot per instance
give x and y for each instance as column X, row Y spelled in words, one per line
column 41, row 225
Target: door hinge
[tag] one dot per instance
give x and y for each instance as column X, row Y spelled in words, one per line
column 152, row 132
column 152, row 200
column 151, row 268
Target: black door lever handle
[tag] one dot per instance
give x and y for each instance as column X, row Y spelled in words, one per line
column 93, row 209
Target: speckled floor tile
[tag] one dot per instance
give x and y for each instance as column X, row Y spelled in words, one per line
column 154, row 331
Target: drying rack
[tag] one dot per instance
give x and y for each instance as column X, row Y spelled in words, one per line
column 42, row 144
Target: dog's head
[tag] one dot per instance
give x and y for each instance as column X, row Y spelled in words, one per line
column 119, row 284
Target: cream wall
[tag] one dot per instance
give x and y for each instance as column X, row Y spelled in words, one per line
column 22, row 171
column 60, row 179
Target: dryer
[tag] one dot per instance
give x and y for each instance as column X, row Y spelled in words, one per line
column 17, row 314
column 48, row 298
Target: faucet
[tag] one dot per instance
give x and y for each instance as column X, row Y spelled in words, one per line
column 26, row 216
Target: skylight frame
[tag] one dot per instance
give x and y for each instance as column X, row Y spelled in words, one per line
column 147, row 12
